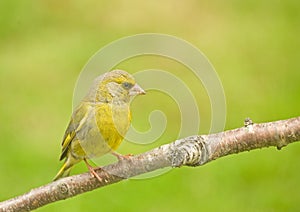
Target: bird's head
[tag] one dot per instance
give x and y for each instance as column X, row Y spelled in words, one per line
column 115, row 86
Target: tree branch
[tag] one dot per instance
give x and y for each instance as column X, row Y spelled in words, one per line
column 191, row 151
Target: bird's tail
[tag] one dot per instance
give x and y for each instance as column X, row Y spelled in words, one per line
column 64, row 171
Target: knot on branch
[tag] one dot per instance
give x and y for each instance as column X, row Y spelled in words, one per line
column 190, row 151
column 62, row 189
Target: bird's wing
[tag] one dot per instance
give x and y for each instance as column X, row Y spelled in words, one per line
column 78, row 119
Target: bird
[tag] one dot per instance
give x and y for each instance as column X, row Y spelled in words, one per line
column 100, row 122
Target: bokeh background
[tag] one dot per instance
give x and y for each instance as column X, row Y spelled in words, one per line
column 253, row 45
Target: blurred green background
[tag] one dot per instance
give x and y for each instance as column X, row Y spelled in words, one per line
column 253, row 45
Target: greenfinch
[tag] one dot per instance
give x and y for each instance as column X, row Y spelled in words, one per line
column 100, row 122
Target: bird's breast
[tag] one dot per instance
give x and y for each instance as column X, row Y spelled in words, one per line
column 113, row 122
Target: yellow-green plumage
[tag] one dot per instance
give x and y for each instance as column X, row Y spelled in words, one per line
column 100, row 122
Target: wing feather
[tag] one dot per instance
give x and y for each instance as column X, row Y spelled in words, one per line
column 78, row 119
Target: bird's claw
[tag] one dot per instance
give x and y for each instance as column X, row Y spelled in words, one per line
column 122, row 157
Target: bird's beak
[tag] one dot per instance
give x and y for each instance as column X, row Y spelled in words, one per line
column 136, row 90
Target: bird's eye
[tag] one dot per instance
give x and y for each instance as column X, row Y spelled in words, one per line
column 127, row 85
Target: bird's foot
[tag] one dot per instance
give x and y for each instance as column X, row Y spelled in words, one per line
column 122, row 157
column 92, row 171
